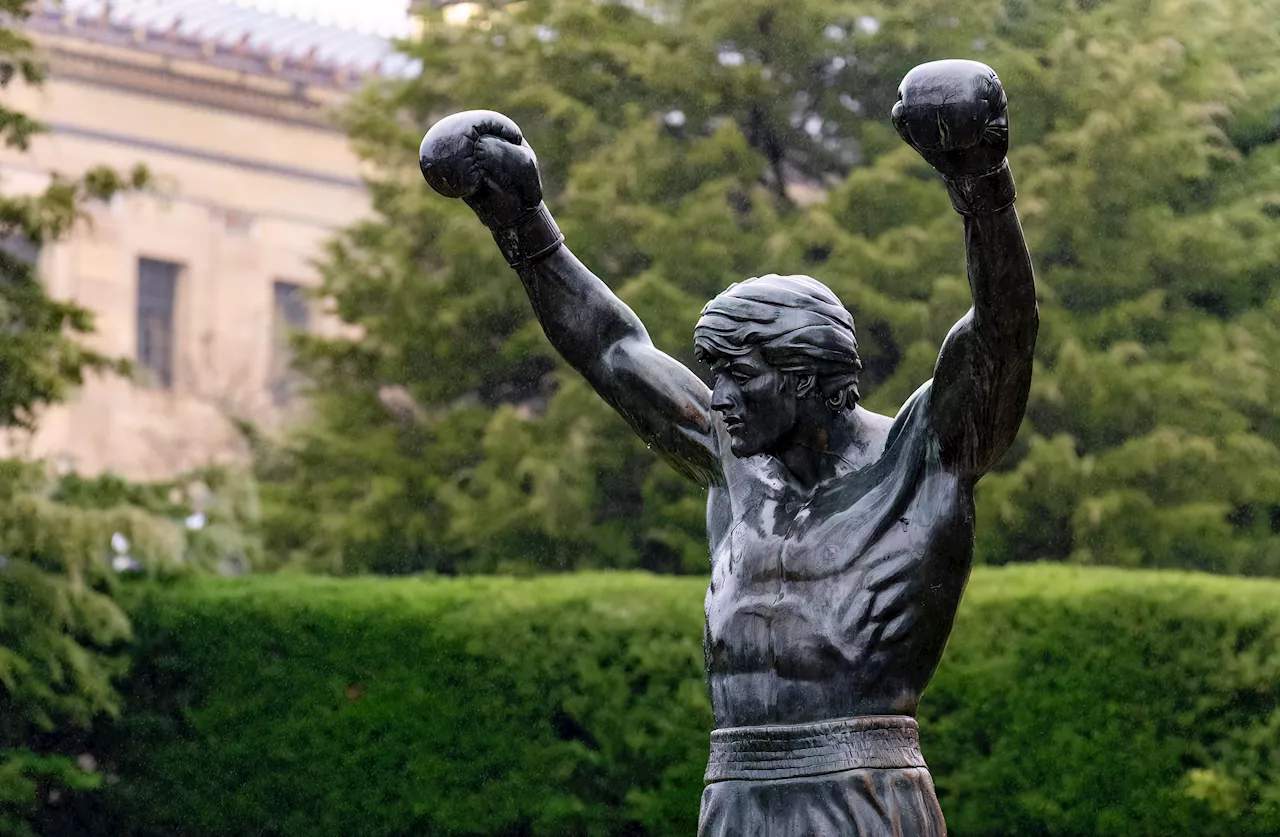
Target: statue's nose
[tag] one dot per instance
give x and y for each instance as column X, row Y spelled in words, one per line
column 721, row 400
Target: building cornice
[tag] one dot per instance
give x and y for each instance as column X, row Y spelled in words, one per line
column 238, row 57
column 190, row 82
column 212, row 54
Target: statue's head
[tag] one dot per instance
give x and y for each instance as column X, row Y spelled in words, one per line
column 777, row 345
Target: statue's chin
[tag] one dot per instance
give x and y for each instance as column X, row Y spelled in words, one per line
column 744, row 448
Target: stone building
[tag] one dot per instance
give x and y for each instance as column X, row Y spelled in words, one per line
column 202, row 282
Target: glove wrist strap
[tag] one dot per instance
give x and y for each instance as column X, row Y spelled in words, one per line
column 531, row 238
column 982, row 193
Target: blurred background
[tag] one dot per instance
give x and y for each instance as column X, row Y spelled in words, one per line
column 305, row 529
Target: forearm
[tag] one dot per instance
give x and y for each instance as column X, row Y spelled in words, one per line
column 581, row 317
column 999, row 267
column 1001, row 280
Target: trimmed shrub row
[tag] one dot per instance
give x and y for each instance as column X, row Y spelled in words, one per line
column 1071, row 702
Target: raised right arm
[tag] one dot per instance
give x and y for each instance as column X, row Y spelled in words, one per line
column 662, row 400
column 481, row 157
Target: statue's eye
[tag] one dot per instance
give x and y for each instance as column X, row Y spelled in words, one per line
column 740, row 375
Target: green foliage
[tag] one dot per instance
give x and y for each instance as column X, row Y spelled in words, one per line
column 62, row 635
column 681, row 143
column 60, row 631
column 368, row 707
column 216, row 507
column 1072, row 702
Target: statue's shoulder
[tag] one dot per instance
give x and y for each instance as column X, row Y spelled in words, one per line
column 912, row 421
column 874, row 429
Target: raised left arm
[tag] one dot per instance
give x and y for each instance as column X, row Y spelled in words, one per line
column 955, row 114
column 983, row 375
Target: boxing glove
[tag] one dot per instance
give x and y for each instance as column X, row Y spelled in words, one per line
column 955, row 114
column 482, row 157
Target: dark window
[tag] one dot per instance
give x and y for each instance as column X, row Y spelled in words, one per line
column 289, row 314
column 21, row 248
column 157, row 291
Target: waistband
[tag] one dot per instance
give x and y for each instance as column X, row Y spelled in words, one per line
column 795, row 750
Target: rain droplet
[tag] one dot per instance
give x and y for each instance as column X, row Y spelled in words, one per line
column 731, row 58
column 125, row 564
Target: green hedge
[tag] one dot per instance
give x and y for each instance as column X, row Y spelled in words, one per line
column 1070, row 702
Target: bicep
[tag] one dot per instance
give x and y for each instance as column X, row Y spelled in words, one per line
column 667, row 405
column 980, row 390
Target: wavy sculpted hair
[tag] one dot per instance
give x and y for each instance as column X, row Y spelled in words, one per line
column 799, row 326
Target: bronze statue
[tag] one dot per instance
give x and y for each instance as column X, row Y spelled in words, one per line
column 841, row 540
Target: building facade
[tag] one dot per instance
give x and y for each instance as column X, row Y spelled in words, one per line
column 202, row 281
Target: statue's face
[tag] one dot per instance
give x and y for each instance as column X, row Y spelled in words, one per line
column 756, row 401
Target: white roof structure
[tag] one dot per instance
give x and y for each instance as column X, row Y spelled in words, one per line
column 225, row 34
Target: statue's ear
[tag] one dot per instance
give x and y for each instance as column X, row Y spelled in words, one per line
column 805, row 384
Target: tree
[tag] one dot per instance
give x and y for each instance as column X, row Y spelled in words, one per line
column 686, row 145
column 60, row 631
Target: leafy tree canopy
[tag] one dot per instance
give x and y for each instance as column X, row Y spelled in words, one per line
column 687, row 145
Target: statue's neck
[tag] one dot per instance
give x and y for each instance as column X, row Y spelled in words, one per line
column 822, row 445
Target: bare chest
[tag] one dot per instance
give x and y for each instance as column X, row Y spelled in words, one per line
column 764, row 531
column 808, row 586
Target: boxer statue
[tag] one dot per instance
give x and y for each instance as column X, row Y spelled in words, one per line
column 841, row 540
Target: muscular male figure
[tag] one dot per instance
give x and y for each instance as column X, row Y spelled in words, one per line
column 841, row 540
